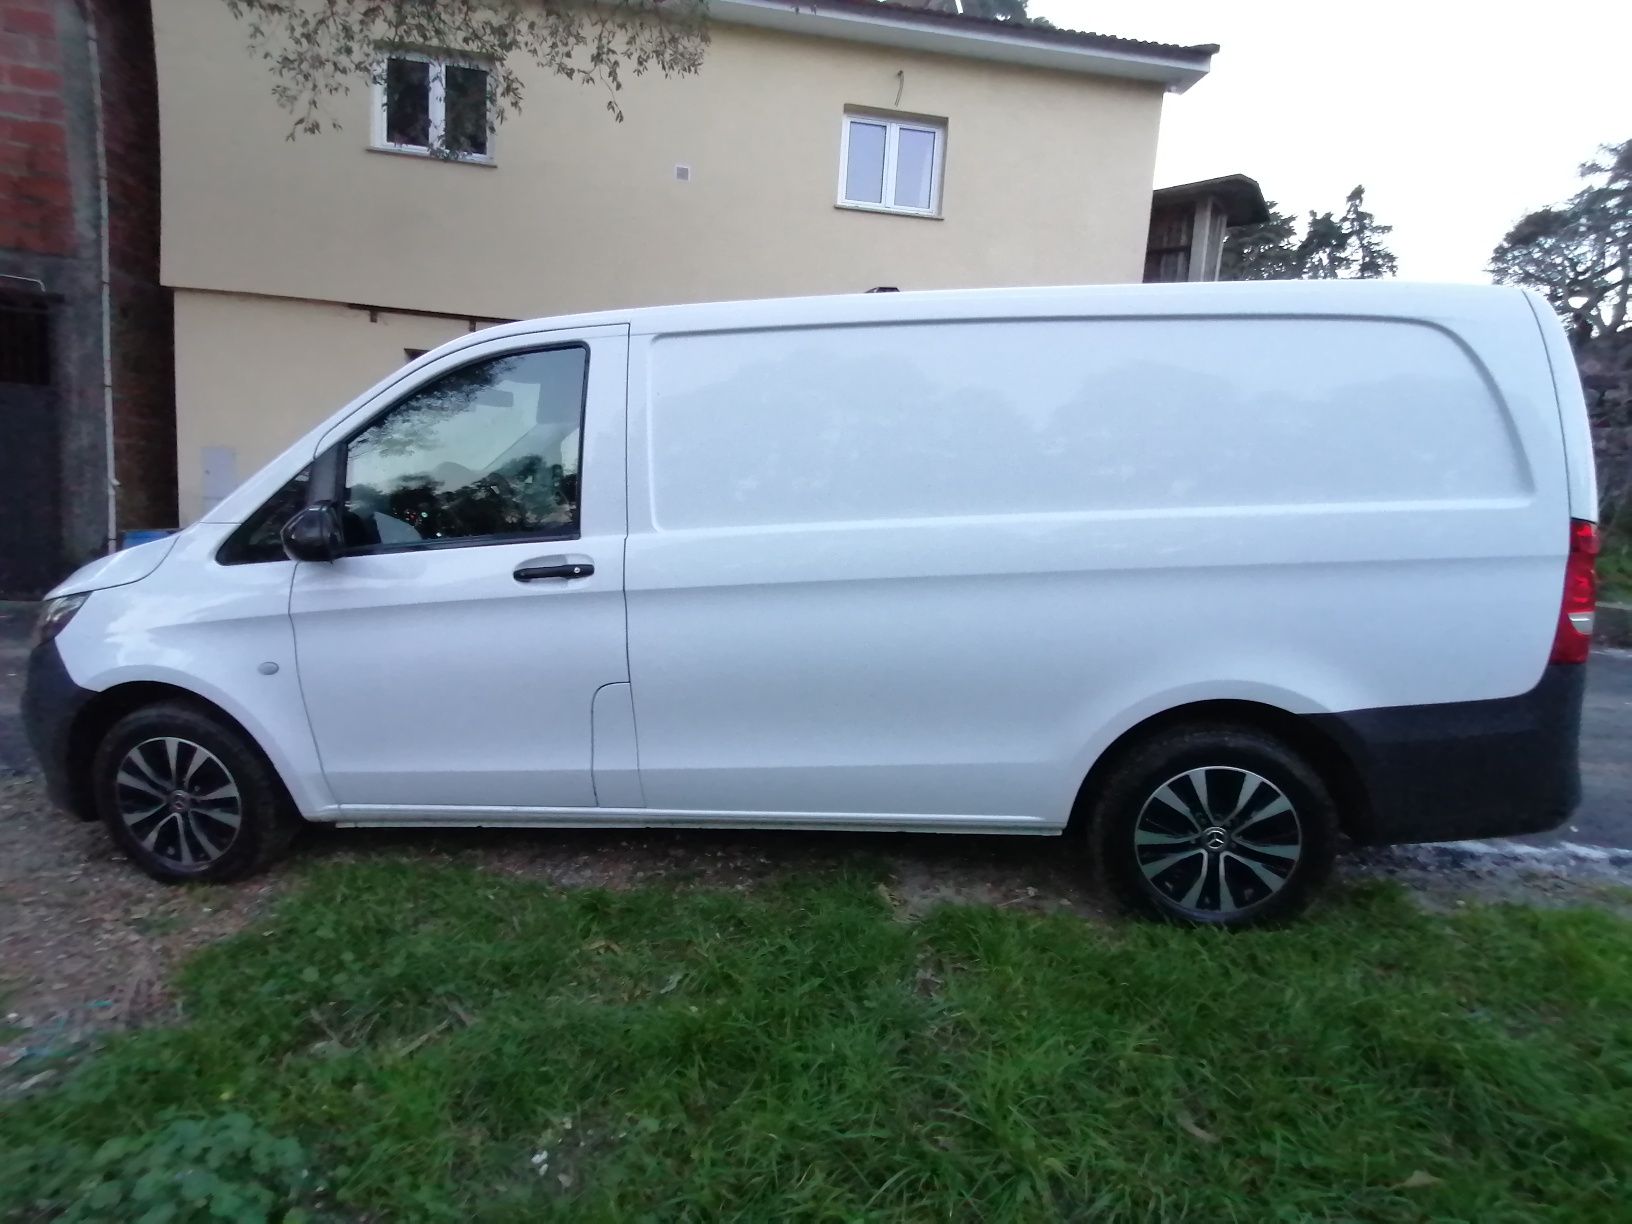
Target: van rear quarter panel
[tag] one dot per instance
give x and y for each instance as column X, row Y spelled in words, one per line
column 936, row 567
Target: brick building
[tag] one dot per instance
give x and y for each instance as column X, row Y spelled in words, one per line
column 87, row 419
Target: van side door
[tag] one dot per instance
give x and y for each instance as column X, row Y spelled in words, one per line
column 451, row 657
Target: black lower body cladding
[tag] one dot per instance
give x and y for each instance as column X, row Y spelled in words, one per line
column 51, row 702
column 1466, row 769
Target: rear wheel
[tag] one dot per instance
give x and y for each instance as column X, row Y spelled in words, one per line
column 188, row 797
column 1214, row 826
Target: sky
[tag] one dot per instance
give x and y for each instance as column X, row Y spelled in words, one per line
column 1459, row 116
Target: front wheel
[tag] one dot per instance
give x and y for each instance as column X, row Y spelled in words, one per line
column 1214, row 826
column 188, row 797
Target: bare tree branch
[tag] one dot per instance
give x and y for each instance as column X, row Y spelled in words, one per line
column 318, row 49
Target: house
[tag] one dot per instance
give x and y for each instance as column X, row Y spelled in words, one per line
column 86, row 415
column 825, row 146
column 1188, row 224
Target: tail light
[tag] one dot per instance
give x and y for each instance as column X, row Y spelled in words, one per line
column 1574, row 637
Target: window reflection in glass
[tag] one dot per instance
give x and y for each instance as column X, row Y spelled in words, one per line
column 408, row 103
column 864, row 164
column 914, row 167
column 491, row 450
column 466, row 103
column 261, row 536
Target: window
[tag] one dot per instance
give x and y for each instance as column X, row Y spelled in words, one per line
column 487, row 453
column 435, row 106
column 260, row 538
column 891, row 164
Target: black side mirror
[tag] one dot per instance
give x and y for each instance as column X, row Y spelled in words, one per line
column 314, row 534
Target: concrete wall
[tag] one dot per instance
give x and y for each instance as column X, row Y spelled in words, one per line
column 257, row 372
column 1048, row 179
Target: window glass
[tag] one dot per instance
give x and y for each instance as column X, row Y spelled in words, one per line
column 914, row 167
column 864, row 167
column 260, row 538
column 489, row 450
column 408, row 102
column 465, row 94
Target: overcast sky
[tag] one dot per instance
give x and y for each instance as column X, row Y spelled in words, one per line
column 1458, row 115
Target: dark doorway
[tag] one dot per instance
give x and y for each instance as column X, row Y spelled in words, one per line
column 30, row 451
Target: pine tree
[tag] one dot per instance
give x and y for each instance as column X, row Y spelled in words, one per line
column 1363, row 239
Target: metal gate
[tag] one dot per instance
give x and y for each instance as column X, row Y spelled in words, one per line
column 30, row 451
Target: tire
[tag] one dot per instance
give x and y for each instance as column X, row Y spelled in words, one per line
column 170, row 780
column 1213, row 825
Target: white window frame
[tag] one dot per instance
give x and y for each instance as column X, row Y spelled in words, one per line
column 893, row 128
column 436, row 107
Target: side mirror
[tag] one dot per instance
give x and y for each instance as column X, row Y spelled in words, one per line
column 314, row 534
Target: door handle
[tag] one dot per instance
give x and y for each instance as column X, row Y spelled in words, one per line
column 554, row 567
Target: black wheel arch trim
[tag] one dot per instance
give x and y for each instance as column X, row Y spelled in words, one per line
column 1461, row 770
column 1448, row 771
column 65, row 722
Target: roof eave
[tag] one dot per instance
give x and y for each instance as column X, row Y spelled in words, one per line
column 895, row 28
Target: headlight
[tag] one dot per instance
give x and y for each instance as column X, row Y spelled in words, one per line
column 56, row 614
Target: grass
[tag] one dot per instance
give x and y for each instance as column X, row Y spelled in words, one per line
column 422, row 1035
column 1615, row 565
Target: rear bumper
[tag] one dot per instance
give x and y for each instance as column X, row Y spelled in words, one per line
column 51, row 702
column 1466, row 769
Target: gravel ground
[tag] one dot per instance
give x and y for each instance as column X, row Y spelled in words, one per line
column 87, row 942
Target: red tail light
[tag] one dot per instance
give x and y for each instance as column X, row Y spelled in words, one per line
column 1574, row 637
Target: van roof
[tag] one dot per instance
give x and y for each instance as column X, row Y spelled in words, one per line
column 1389, row 299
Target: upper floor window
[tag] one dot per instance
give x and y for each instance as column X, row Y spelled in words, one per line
column 891, row 164
column 433, row 105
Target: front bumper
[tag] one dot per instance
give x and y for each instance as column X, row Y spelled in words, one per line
column 51, row 703
column 1467, row 769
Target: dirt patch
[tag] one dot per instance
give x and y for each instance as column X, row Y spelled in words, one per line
column 88, row 943
column 922, row 869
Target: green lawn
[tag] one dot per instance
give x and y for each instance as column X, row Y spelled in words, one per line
column 402, row 1042
column 1615, row 565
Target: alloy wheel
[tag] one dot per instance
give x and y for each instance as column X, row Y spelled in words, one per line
column 1217, row 840
column 179, row 801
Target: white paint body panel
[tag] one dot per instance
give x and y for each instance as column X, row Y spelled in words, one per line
column 206, row 629
column 912, row 560
column 436, row 679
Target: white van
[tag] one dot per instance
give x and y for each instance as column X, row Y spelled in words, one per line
column 1200, row 576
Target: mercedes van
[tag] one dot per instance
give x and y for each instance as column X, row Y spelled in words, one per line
column 1202, row 578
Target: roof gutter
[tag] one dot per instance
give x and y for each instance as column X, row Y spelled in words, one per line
column 1028, row 46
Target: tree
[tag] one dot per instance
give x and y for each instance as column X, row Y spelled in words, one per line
column 317, row 50
column 1323, row 254
column 1363, row 238
column 1266, row 251
column 1332, row 247
column 1579, row 254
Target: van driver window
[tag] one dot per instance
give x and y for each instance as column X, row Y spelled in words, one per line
column 491, row 450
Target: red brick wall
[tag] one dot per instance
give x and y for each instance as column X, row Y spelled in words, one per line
column 36, row 197
column 47, row 112
column 143, row 331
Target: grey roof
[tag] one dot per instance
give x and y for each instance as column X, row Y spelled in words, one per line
column 1243, row 199
column 911, row 13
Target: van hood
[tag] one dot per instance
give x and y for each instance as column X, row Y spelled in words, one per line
column 116, row 569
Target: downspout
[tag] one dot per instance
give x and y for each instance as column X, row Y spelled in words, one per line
column 105, row 270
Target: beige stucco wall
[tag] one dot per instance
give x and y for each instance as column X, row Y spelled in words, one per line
column 1048, row 179
column 254, row 373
